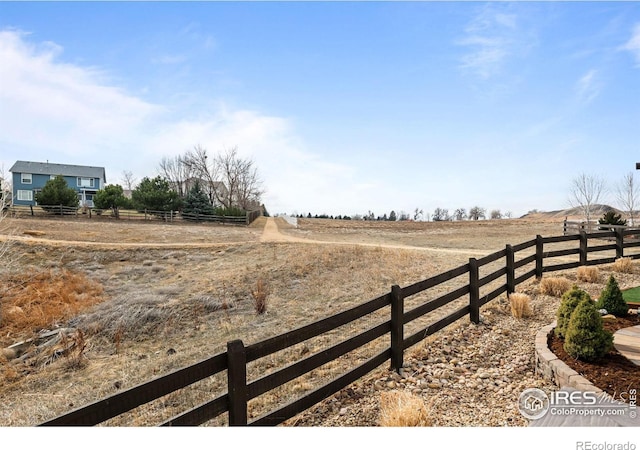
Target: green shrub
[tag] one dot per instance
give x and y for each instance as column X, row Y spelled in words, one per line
column 232, row 211
column 611, row 218
column 57, row 192
column 197, row 203
column 570, row 300
column 586, row 338
column 611, row 299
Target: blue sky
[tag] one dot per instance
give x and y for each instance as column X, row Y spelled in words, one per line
column 345, row 107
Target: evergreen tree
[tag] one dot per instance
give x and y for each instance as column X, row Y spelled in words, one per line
column 586, row 338
column 155, row 195
column 111, row 197
column 197, row 203
column 57, row 192
column 611, row 299
column 611, row 218
column 568, row 304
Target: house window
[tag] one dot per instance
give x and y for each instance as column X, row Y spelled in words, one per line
column 25, row 196
column 26, row 178
column 85, row 182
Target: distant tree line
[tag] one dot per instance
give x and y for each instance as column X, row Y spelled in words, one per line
column 438, row 215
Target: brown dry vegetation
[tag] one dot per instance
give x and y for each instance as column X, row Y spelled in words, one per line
column 174, row 294
column 589, row 274
column 520, row 305
column 554, row 286
column 403, row 409
column 32, row 301
column 623, row 265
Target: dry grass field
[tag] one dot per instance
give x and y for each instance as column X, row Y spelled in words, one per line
column 169, row 295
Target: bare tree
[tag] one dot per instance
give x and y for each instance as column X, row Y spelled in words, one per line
column 128, row 180
column 5, row 202
column 586, row 191
column 496, row 214
column 248, row 189
column 417, row 214
column 460, row 214
column 440, row 215
column 231, row 181
column 177, row 172
column 628, row 194
column 477, row 213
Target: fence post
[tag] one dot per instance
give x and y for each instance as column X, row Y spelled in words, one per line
column 474, row 291
column 31, row 208
column 619, row 242
column 397, row 328
column 583, row 248
column 237, row 382
column 511, row 270
column 539, row 256
column 564, row 227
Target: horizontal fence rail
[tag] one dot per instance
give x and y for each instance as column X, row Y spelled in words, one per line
column 518, row 263
column 126, row 214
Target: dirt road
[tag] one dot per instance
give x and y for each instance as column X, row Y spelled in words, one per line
column 272, row 233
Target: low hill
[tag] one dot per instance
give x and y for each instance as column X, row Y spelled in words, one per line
column 597, row 211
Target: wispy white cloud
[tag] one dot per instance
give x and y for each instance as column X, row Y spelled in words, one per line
column 493, row 38
column 194, row 32
column 633, row 45
column 588, row 87
column 169, row 59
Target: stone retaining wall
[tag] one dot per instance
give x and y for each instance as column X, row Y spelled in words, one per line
column 553, row 369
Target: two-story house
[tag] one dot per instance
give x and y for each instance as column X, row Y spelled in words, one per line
column 30, row 177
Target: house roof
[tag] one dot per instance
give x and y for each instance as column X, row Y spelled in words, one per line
column 68, row 170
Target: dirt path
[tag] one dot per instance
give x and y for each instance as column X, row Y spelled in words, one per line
column 272, row 233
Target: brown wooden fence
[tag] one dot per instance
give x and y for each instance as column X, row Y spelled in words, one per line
column 574, row 227
column 518, row 263
column 144, row 215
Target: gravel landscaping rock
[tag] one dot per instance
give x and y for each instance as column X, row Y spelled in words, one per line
column 470, row 375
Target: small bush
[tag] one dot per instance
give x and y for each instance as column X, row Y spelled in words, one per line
column 623, row 265
column 260, row 294
column 570, row 301
column 611, row 299
column 586, row 338
column 520, row 305
column 588, row 274
column 403, row 409
column 554, row 286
